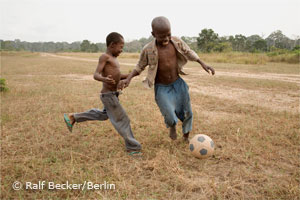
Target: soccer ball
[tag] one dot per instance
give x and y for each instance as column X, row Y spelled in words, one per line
column 201, row 146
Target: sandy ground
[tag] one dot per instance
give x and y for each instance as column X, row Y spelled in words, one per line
column 280, row 101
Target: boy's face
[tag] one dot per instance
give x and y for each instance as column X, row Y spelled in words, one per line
column 162, row 36
column 117, row 48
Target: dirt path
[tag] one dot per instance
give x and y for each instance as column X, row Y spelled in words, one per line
column 279, row 101
column 75, row 58
column 294, row 78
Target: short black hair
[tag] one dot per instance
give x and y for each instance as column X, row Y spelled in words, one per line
column 113, row 37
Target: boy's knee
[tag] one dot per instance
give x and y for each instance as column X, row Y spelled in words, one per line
column 100, row 115
column 188, row 114
column 105, row 117
column 170, row 121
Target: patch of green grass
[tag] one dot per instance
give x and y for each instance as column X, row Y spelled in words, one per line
column 3, row 86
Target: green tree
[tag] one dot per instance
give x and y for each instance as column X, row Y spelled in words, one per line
column 145, row 41
column 101, row 47
column 279, row 40
column 250, row 41
column 260, row 45
column 94, row 48
column 296, row 48
column 85, row 46
column 207, row 40
column 7, row 45
column 191, row 41
column 132, row 46
column 223, row 47
column 239, row 43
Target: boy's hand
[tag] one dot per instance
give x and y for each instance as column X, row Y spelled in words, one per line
column 126, row 82
column 120, row 85
column 208, row 69
column 109, row 80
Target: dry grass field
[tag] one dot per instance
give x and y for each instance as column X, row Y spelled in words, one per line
column 250, row 111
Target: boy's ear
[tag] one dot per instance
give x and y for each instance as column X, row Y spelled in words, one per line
column 111, row 45
column 153, row 34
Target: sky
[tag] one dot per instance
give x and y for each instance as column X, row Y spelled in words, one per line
column 77, row 20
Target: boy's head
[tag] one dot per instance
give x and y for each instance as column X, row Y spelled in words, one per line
column 115, row 43
column 161, row 30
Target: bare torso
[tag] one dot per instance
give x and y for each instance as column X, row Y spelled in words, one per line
column 112, row 68
column 167, row 71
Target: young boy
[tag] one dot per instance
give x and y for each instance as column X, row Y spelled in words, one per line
column 166, row 55
column 108, row 72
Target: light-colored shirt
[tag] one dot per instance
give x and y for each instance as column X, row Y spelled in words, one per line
column 149, row 56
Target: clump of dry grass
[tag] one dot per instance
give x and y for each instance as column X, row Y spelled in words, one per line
column 235, row 57
column 257, row 147
column 251, row 58
column 286, row 58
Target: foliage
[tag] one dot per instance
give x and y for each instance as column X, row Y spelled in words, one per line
column 87, row 46
column 137, row 45
column 207, row 41
column 260, row 45
column 239, row 42
column 297, row 47
column 279, row 40
column 283, row 55
column 223, row 47
column 191, row 41
column 3, row 87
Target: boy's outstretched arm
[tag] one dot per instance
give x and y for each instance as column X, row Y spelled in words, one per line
column 207, row 68
column 192, row 55
column 121, row 84
column 129, row 77
column 124, row 76
column 98, row 73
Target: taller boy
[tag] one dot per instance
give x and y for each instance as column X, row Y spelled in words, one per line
column 166, row 55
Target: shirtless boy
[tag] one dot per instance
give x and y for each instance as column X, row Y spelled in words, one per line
column 166, row 55
column 108, row 72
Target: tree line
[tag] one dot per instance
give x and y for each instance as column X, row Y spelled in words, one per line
column 207, row 41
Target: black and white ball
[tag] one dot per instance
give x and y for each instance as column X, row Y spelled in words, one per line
column 201, row 146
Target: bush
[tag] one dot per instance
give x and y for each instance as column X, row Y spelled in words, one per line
column 296, row 48
column 3, row 87
column 283, row 55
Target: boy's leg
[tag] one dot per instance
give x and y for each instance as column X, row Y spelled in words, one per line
column 165, row 98
column 120, row 120
column 92, row 114
column 185, row 114
column 184, row 109
column 173, row 134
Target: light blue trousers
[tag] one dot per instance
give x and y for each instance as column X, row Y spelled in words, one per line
column 174, row 103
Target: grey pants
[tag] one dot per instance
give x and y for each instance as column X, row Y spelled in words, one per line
column 117, row 116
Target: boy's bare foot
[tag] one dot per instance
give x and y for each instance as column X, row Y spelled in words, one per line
column 186, row 137
column 72, row 119
column 173, row 134
column 69, row 120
